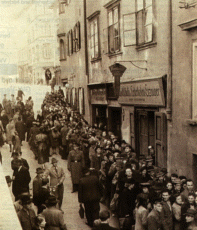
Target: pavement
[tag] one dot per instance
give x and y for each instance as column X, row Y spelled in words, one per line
column 70, row 204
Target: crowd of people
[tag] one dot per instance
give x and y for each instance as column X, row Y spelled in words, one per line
column 104, row 169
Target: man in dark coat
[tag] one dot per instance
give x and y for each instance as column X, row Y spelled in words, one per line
column 21, row 129
column 21, row 179
column 89, row 193
column 37, row 185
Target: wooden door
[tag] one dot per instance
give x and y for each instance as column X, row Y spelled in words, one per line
column 160, row 139
column 143, row 132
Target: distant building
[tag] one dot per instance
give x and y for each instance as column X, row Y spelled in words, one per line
column 40, row 51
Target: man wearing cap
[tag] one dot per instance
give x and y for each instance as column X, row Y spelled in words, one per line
column 57, row 176
column 37, row 185
column 190, row 219
column 26, row 215
column 54, row 217
column 75, row 165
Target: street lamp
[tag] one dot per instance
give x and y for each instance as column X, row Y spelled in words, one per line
column 117, row 71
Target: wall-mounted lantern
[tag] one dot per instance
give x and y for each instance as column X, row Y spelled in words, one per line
column 117, row 71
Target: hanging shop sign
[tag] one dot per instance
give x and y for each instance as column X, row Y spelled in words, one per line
column 98, row 96
column 144, row 92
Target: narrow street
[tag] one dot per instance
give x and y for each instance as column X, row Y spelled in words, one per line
column 70, row 202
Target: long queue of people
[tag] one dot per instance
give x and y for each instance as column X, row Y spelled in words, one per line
column 104, row 169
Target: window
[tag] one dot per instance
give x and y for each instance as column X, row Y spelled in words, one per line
column 47, row 52
column 94, row 38
column 62, row 6
column 62, row 50
column 76, row 37
column 114, row 29
column 129, row 29
column 144, row 18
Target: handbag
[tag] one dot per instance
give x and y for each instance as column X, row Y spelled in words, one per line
column 81, row 211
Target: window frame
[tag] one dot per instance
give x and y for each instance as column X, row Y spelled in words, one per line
column 93, row 35
column 144, row 25
column 109, row 9
column 62, row 37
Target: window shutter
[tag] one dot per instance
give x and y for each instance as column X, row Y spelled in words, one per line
column 79, row 34
column 111, row 39
column 105, row 41
column 160, row 139
column 74, row 39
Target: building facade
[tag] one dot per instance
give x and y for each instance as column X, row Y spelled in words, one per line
column 72, row 44
column 131, row 34
column 183, row 135
column 152, row 104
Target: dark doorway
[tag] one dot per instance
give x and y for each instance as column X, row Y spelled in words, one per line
column 145, row 131
column 115, row 121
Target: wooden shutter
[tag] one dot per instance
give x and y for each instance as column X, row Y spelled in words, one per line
column 79, row 34
column 160, row 139
column 132, row 129
column 74, row 39
column 105, row 41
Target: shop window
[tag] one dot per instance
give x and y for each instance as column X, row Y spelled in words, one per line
column 114, row 29
column 144, row 16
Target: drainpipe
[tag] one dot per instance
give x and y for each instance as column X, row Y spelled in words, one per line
column 86, row 61
column 169, row 76
column 86, row 42
column 169, row 89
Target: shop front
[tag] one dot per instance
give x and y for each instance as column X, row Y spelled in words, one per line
column 106, row 111
column 143, row 117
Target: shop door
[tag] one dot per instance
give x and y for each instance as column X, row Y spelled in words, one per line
column 161, row 139
column 146, row 131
